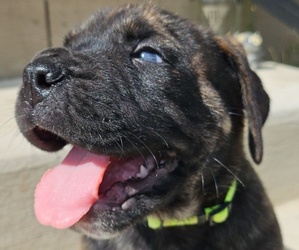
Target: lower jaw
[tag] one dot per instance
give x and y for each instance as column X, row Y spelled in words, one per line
column 122, row 195
column 121, row 199
column 106, row 221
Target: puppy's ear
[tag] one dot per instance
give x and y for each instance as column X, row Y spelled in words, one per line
column 255, row 99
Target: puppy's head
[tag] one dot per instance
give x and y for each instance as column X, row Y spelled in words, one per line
column 164, row 98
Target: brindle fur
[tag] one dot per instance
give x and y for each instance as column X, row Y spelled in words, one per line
column 192, row 105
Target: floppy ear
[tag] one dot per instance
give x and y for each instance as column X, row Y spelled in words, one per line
column 255, row 99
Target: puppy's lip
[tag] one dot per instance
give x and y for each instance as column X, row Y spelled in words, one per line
column 46, row 140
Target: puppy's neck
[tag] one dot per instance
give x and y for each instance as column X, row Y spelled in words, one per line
column 213, row 215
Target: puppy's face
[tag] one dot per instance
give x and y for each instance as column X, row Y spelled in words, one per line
column 157, row 94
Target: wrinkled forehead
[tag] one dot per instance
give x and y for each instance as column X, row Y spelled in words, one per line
column 129, row 23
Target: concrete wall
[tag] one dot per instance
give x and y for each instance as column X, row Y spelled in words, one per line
column 29, row 26
column 22, row 34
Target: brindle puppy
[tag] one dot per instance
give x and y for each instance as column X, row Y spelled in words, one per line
column 139, row 82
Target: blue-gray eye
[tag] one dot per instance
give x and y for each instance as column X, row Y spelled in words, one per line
column 150, row 56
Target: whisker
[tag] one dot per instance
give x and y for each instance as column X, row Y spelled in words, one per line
column 7, row 122
column 138, row 150
column 203, row 183
column 235, row 111
column 155, row 159
column 121, row 141
column 225, row 167
column 120, row 144
column 165, row 142
column 215, row 183
column 236, row 114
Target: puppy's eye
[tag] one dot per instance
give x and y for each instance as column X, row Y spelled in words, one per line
column 149, row 56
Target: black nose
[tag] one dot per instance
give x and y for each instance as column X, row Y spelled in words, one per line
column 40, row 76
column 44, row 75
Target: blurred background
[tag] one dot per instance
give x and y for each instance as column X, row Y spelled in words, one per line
column 269, row 31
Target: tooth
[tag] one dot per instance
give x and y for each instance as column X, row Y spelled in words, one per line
column 131, row 191
column 143, row 172
column 150, row 162
column 128, row 204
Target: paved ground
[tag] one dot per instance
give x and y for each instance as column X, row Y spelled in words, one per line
column 288, row 216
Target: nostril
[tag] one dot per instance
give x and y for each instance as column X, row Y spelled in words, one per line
column 47, row 75
column 41, row 81
column 38, row 79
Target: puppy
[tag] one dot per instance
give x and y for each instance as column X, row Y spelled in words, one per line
column 167, row 101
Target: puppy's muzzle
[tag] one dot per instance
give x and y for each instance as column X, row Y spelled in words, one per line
column 45, row 72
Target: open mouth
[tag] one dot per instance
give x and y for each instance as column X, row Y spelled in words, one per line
column 126, row 178
column 85, row 180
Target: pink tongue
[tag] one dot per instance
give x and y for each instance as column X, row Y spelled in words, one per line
column 67, row 192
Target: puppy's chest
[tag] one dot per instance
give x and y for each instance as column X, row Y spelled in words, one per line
column 148, row 239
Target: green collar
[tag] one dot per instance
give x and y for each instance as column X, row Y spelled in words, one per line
column 214, row 215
